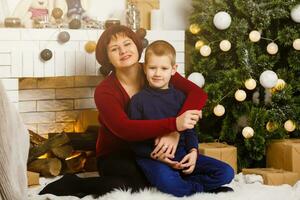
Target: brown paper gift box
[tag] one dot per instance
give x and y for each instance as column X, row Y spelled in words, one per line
column 273, row 176
column 32, row 178
column 284, row 154
column 220, row 151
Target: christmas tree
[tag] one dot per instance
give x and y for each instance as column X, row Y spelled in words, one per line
column 248, row 54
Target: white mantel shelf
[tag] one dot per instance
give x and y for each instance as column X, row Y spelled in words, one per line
column 20, row 52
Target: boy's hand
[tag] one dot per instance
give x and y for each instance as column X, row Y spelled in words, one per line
column 188, row 162
column 168, row 161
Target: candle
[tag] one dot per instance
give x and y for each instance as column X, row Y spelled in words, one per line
column 157, row 19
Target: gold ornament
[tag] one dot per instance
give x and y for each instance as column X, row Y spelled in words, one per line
column 289, row 126
column 248, row 132
column 240, row 95
column 271, row 126
column 250, row 84
column 296, row 44
column 199, row 44
column 205, row 50
column 272, row 48
column 57, row 13
column 254, row 36
column 90, row 46
column 225, row 45
column 219, row 110
column 195, row 29
column 280, row 85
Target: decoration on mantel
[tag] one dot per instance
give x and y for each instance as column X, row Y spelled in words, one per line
column 90, row 46
column 46, row 54
column 133, row 18
column 75, row 23
column 34, row 13
column 248, row 132
column 57, row 14
column 145, row 43
column 141, row 32
column 63, row 37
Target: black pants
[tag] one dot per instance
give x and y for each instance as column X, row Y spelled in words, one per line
column 117, row 171
column 120, row 170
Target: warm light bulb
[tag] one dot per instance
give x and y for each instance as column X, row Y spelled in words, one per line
column 296, row 44
column 248, row 132
column 254, row 36
column 199, row 44
column 219, row 110
column 225, row 45
column 289, row 126
column 240, row 95
column 205, row 50
column 272, row 48
column 250, row 84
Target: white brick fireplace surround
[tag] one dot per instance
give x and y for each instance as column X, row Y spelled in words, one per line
column 51, row 95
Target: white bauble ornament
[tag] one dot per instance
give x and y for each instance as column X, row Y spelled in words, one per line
column 268, row 79
column 296, row 44
column 219, row 110
column 280, row 84
column 222, row 20
column 250, row 84
column 272, row 48
column 289, row 126
column 225, row 45
column 240, row 95
column 205, row 50
column 254, row 36
column 248, row 132
column 197, row 78
column 295, row 13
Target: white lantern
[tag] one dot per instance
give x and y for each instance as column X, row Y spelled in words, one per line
column 248, row 132
column 272, row 48
column 268, row 79
column 250, row 84
column 225, row 45
column 254, row 36
column 219, row 110
column 205, row 50
column 289, row 126
column 222, row 20
column 296, row 44
column 295, row 13
column 240, row 95
column 197, row 78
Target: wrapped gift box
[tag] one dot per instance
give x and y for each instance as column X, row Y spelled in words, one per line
column 284, row 154
column 220, row 151
column 273, row 176
column 33, row 178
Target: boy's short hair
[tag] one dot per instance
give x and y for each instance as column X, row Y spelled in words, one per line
column 161, row 48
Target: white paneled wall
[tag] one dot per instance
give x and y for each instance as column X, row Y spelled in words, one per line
column 20, row 52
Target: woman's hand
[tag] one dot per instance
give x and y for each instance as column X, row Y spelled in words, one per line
column 173, row 164
column 188, row 119
column 188, row 162
column 166, row 146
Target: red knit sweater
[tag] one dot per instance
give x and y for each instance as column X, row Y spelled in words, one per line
column 111, row 100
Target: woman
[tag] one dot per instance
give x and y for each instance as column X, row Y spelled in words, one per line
column 119, row 50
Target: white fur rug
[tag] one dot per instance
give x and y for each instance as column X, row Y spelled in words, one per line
column 246, row 187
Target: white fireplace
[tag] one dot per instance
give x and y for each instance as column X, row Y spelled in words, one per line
column 51, row 94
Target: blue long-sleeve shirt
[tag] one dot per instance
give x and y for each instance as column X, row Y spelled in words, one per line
column 151, row 103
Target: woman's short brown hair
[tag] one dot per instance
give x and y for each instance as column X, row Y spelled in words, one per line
column 104, row 40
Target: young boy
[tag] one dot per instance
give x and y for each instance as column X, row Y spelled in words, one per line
column 157, row 100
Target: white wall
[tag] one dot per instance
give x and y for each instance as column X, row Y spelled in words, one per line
column 176, row 12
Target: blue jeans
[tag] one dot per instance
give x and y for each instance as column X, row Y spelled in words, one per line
column 208, row 174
